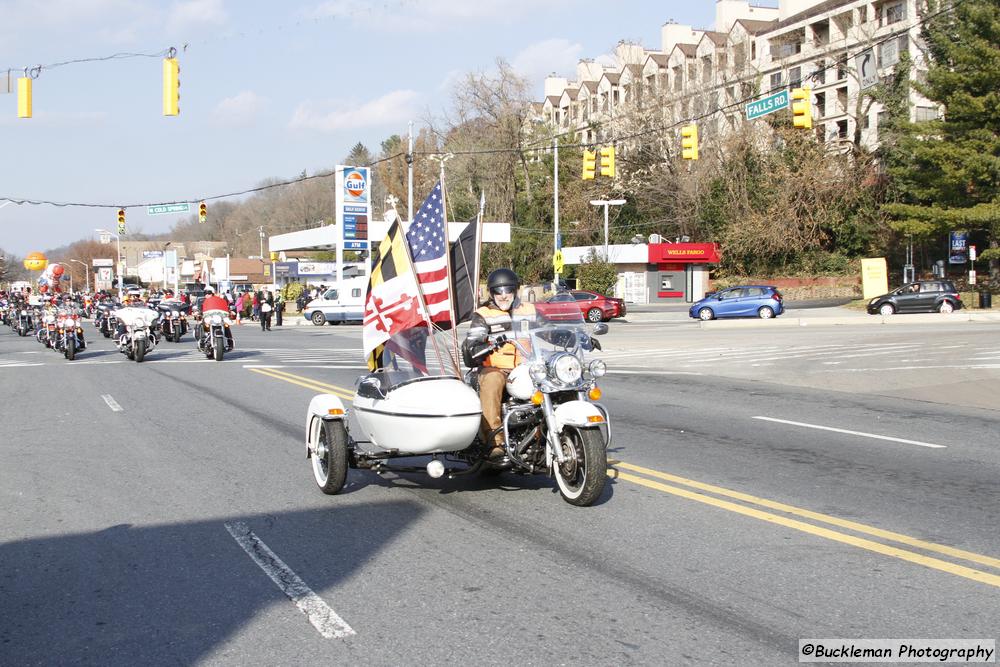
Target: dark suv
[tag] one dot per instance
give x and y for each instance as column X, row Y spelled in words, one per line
column 924, row 296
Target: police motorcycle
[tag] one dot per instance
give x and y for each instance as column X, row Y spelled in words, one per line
column 420, row 404
column 47, row 333
column 211, row 334
column 104, row 318
column 137, row 327
column 69, row 333
column 173, row 319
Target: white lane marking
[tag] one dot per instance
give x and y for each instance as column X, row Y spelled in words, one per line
column 647, row 372
column 112, row 403
column 913, row 368
column 864, row 435
column 323, row 618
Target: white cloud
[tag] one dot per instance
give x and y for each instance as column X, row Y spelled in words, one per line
column 193, row 13
column 395, row 107
column 540, row 59
column 241, row 109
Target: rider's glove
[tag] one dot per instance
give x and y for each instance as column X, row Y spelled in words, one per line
column 499, row 341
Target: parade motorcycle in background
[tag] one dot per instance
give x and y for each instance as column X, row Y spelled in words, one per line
column 137, row 337
column 420, row 405
column 211, row 336
column 69, row 334
column 173, row 323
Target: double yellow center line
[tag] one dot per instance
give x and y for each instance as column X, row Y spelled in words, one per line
column 748, row 505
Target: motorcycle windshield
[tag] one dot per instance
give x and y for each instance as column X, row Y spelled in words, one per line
column 417, row 353
column 541, row 339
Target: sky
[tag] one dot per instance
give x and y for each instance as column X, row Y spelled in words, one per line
column 268, row 89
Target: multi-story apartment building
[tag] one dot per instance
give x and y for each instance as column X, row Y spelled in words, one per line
column 751, row 52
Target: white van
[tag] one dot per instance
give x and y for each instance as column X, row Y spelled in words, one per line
column 343, row 302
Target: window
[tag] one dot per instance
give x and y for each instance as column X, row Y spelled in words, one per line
column 754, row 291
column 923, row 114
column 819, row 74
column 561, row 298
column 583, row 296
column 841, row 129
column 881, row 119
column 795, row 77
column 820, row 104
column 356, row 292
column 666, row 283
column 330, row 295
column 776, row 79
column 706, row 69
column 894, row 13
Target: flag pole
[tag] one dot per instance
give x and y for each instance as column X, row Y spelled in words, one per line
column 479, row 247
column 452, row 304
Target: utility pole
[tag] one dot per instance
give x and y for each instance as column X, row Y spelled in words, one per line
column 606, row 203
column 409, row 174
column 556, row 241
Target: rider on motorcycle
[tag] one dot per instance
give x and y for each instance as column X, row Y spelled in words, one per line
column 488, row 329
column 214, row 302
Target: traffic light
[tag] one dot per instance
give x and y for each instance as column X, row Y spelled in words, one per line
column 171, row 87
column 121, row 222
column 802, row 115
column 608, row 161
column 202, row 212
column 689, row 142
column 24, row 97
column 589, row 164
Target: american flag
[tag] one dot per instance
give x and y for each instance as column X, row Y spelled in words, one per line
column 428, row 243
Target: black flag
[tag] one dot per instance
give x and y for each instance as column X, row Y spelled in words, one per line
column 465, row 271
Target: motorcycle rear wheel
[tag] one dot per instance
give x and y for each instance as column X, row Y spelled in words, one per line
column 582, row 477
column 329, row 460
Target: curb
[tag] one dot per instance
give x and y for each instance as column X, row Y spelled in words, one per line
column 915, row 318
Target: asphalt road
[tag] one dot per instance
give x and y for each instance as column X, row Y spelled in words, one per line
column 736, row 521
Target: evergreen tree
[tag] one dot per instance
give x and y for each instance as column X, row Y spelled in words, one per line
column 946, row 172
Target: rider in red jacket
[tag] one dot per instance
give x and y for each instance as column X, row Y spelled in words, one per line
column 215, row 302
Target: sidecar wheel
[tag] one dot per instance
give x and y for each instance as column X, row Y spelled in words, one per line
column 329, row 459
column 582, row 477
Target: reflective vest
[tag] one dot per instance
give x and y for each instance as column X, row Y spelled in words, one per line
column 508, row 356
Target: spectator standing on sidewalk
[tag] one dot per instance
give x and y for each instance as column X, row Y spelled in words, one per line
column 266, row 307
column 255, row 316
column 239, row 308
column 279, row 307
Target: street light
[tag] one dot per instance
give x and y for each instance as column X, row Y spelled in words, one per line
column 86, row 273
column 121, row 275
column 606, row 203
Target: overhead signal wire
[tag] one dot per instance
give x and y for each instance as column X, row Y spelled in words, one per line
column 260, row 188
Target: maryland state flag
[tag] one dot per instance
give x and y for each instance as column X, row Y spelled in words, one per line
column 393, row 303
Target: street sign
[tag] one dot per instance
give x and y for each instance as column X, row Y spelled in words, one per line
column 767, row 105
column 161, row 209
column 864, row 63
column 557, row 261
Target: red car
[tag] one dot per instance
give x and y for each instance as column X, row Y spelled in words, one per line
column 595, row 307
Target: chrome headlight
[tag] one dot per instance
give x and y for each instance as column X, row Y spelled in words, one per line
column 537, row 371
column 214, row 319
column 567, row 369
column 598, row 368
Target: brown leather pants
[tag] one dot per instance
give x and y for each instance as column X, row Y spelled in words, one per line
column 491, row 388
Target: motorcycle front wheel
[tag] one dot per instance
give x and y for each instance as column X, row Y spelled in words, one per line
column 329, row 460
column 219, row 347
column 140, row 350
column 71, row 348
column 581, row 478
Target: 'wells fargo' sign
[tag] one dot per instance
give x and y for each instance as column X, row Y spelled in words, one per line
column 701, row 253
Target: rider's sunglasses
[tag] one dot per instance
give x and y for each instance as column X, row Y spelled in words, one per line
column 502, row 289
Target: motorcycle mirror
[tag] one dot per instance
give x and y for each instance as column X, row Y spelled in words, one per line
column 600, row 329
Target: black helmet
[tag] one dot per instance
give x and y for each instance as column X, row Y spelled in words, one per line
column 502, row 278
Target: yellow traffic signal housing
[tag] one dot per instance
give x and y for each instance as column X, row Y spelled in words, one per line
column 24, row 97
column 689, row 142
column 589, row 164
column 802, row 108
column 171, row 87
column 608, row 161
column 202, row 212
column 121, row 222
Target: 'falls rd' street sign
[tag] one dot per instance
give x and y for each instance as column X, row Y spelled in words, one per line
column 767, row 105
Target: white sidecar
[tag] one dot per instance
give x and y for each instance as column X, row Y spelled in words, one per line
column 422, row 415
